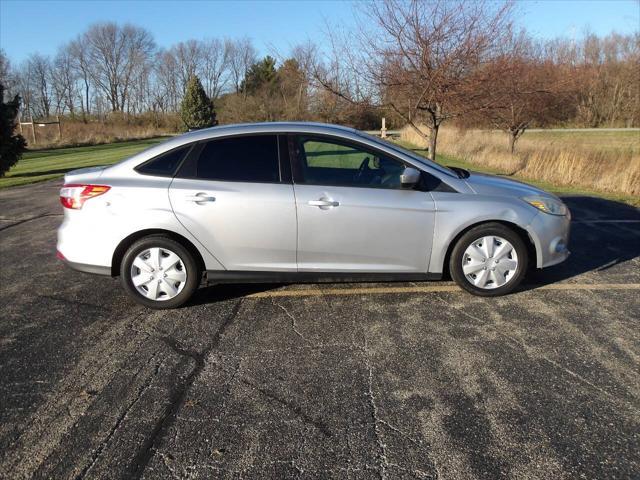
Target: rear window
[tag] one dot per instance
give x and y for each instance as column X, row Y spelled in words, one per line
column 164, row 165
column 240, row 159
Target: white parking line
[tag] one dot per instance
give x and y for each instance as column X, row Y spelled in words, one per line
column 606, row 221
column 316, row 292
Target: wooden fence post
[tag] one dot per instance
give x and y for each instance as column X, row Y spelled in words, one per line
column 33, row 130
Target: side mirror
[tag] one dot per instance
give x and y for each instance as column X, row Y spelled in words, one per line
column 409, row 177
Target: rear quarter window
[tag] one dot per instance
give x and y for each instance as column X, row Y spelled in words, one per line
column 166, row 164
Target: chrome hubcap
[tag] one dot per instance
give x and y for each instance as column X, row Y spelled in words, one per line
column 490, row 262
column 158, row 274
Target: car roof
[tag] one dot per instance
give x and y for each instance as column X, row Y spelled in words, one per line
column 266, row 127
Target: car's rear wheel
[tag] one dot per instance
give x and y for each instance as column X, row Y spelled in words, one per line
column 159, row 272
column 489, row 260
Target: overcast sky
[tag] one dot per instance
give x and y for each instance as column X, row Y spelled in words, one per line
column 30, row 26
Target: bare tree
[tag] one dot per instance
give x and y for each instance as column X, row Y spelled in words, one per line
column 188, row 60
column 208, row 59
column 139, row 98
column 39, row 76
column 166, row 95
column 7, row 76
column 521, row 87
column 117, row 54
column 5, row 67
column 79, row 56
column 65, row 81
column 24, row 89
column 293, row 85
column 418, row 59
column 214, row 66
column 608, row 71
column 242, row 55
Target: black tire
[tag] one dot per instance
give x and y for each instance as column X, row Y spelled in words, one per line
column 489, row 229
column 189, row 263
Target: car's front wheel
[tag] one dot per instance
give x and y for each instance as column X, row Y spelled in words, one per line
column 489, row 260
column 159, row 272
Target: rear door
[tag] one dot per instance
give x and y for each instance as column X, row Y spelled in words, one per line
column 353, row 214
column 234, row 197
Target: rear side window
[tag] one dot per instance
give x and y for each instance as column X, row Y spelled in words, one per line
column 164, row 165
column 240, row 159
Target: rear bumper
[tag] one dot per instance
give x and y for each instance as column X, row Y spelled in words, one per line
column 87, row 242
column 83, row 267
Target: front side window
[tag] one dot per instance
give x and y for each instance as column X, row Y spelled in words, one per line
column 251, row 158
column 328, row 162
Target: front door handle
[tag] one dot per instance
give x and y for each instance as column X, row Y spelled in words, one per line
column 200, row 198
column 323, row 202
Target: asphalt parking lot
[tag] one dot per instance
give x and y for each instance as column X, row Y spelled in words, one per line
column 321, row 381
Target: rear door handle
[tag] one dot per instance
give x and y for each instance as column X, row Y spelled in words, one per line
column 323, row 203
column 200, row 197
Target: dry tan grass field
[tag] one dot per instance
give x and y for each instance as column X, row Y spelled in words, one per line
column 607, row 161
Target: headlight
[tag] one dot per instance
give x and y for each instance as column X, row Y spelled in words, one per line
column 547, row 205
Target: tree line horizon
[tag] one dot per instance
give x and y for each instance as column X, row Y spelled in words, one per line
column 416, row 63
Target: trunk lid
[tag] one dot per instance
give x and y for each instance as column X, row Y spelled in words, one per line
column 84, row 175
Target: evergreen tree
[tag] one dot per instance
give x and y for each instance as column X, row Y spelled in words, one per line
column 11, row 145
column 197, row 109
column 261, row 74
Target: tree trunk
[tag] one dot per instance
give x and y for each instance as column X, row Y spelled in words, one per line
column 513, row 136
column 87, row 106
column 433, row 140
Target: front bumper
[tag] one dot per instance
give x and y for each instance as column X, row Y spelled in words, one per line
column 550, row 235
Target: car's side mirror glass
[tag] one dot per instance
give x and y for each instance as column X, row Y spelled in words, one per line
column 409, row 177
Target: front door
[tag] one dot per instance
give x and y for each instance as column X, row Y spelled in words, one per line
column 232, row 197
column 353, row 214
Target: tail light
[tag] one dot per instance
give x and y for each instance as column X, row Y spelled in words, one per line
column 74, row 195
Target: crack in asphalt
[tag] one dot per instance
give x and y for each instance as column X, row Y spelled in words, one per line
column 400, row 432
column 20, row 222
column 98, row 451
column 178, row 396
column 229, row 383
column 384, row 463
column 166, row 465
column 292, row 318
column 318, row 423
column 382, row 454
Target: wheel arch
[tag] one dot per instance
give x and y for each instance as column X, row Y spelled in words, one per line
column 520, row 231
column 122, row 247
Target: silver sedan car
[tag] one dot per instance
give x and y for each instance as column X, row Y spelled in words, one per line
column 301, row 202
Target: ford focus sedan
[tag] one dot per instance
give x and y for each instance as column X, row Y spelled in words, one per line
column 301, row 202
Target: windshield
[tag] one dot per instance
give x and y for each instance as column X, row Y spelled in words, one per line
column 410, row 153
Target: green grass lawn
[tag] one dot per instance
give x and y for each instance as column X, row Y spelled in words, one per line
column 40, row 165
